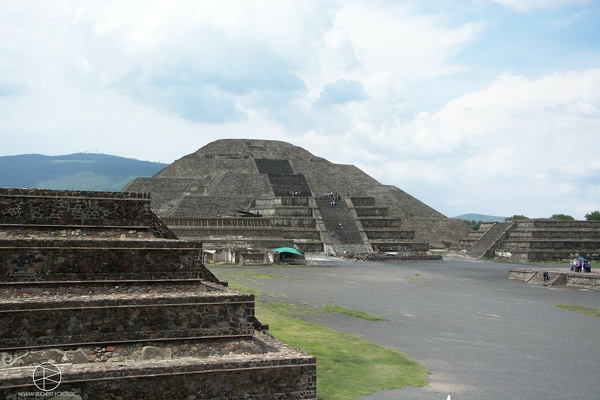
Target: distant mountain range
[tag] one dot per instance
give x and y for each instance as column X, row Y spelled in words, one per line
column 92, row 171
column 480, row 217
column 79, row 171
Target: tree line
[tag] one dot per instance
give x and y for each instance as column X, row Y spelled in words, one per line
column 593, row 216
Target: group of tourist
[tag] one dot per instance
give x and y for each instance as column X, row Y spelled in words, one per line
column 333, row 197
column 581, row 265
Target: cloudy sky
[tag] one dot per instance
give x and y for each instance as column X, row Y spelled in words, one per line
column 483, row 106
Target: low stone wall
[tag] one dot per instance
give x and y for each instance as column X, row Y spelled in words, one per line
column 282, row 373
column 412, row 257
column 555, row 278
column 248, row 243
column 584, row 280
column 546, row 254
column 519, row 274
column 383, row 246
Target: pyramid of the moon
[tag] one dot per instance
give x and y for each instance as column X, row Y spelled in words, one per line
column 265, row 193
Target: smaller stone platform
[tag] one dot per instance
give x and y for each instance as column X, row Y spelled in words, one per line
column 556, row 277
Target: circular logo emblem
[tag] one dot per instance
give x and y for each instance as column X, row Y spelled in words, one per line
column 46, row 376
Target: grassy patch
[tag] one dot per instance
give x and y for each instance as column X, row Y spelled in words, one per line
column 287, row 309
column 347, row 366
column 415, row 278
column 328, row 308
column 594, row 312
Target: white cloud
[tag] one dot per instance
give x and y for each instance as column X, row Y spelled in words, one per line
column 394, row 38
column 330, row 76
column 529, row 5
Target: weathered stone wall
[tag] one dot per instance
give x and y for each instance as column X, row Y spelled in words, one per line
column 371, row 211
column 32, row 206
column 363, row 201
column 249, row 185
column 389, row 234
column 125, row 314
column 65, row 208
column 542, row 223
column 293, row 212
column 294, row 222
column 203, row 206
column 269, row 376
column 122, row 317
column 407, row 247
column 205, row 234
column 381, row 223
column 41, row 259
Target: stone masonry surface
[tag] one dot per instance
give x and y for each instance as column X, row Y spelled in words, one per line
column 96, row 284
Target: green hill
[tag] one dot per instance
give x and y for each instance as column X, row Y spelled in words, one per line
column 79, row 171
column 480, row 217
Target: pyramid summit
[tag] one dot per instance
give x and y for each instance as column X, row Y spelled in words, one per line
column 283, row 194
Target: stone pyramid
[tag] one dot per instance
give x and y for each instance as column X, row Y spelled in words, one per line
column 293, row 189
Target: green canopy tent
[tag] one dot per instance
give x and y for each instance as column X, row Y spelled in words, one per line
column 289, row 255
column 288, row 250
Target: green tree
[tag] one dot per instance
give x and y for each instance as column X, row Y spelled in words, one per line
column 473, row 224
column 516, row 218
column 593, row 216
column 563, row 217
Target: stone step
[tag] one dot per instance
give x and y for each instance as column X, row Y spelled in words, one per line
column 78, row 313
column 374, row 234
column 70, row 260
column 277, row 372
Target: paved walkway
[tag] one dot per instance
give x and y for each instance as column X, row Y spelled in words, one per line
column 481, row 335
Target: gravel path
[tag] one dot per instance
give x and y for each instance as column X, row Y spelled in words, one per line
column 480, row 335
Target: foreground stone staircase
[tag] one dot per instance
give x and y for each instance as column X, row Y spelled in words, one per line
column 125, row 313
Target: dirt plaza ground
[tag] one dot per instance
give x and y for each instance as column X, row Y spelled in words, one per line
column 481, row 335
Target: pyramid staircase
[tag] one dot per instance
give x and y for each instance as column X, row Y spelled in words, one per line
column 487, row 243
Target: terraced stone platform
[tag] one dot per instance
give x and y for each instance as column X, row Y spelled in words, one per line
column 97, row 287
column 535, row 240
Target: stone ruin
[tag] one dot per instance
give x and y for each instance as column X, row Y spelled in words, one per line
column 96, row 285
column 532, row 240
column 262, row 194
